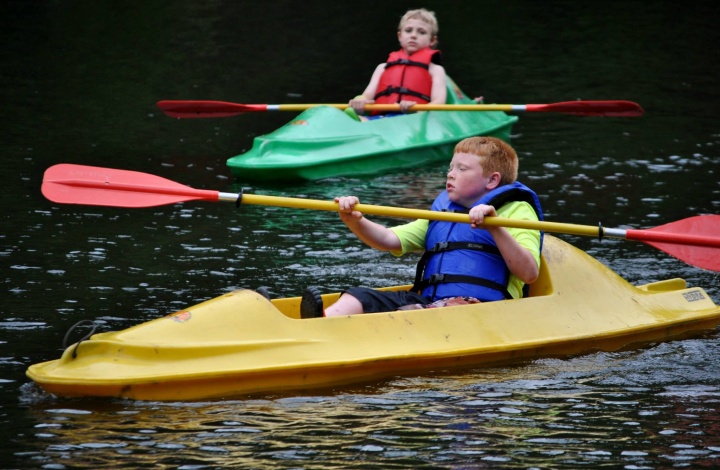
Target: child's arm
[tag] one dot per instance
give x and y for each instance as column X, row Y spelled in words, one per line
column 358, row 103
column 372, row 234
column 438, row 94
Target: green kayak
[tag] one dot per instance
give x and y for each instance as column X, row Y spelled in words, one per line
column 324, row 142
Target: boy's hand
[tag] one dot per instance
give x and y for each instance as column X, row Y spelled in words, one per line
column 346, row 208
column 358, row 103
column 478, row 214
column 405, row 105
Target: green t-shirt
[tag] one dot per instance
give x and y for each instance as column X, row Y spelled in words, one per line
column 412, row 237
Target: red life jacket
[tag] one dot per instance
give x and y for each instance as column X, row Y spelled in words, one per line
column 407, row 77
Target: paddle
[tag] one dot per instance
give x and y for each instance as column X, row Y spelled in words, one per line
column 694, row 240
column 210, row 109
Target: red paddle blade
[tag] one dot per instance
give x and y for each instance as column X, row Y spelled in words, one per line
column 693, row 240
column 617, row 108
column 205, row 109
column 96, row 186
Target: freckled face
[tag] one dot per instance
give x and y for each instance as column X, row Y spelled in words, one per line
column 415, row 35
column 466, row 182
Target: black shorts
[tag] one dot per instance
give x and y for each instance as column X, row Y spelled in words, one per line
column 374, row 301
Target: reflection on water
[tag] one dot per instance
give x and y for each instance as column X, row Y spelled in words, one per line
column 615, row 409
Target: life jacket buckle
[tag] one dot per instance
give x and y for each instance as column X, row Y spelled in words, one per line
column 440, row 246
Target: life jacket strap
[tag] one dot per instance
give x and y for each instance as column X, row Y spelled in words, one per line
column 402, row 91
column 458, row 278
column 440, row 247
column 407, row 62
column 447, row 246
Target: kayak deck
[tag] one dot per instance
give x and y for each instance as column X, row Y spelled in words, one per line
column 241, row 343
column 324, row 142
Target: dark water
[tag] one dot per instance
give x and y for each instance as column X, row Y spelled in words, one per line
column 79, row 81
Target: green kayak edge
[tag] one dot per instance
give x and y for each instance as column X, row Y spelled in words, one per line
column 324, row 142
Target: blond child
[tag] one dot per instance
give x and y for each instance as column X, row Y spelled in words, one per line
column 412, row 74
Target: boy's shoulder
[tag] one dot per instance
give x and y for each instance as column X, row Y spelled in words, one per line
column 517, row 210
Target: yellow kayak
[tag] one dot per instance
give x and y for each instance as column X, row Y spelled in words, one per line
column 241, row 343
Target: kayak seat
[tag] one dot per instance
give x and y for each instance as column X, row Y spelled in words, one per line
column 543, row 284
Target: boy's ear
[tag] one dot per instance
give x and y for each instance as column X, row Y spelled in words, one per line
column 494, row 180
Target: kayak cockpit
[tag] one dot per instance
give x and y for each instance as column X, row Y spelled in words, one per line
column 290, row 306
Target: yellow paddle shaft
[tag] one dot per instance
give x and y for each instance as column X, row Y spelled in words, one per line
column 331, row 206
column 395, row 107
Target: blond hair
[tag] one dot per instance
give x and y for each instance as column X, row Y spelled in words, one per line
column 423, row 15
column 495, row 155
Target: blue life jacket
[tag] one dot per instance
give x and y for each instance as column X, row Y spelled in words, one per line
column 462, row 261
